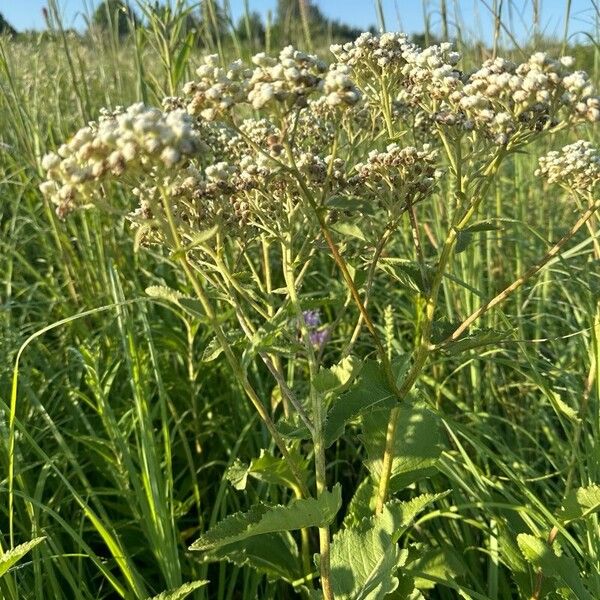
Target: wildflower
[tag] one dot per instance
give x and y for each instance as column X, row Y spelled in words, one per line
column 575, row 167
column 409, row 173
column 339, row 88
column 127, row 140
column 312, row 318
column 288, row 80
column 218, row 89
column 320, row 337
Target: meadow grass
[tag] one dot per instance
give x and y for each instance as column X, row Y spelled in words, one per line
column 118, row 437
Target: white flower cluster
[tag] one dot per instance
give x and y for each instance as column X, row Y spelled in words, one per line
column 430, row 74
column 371, row 52
column 218, row 89
column 339, row 88
column 135, row 138
column 502, row 97
column 409, row 173
column 288, row 80
column 575, row 167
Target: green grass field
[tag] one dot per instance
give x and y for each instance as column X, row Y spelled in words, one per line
column 120, row 442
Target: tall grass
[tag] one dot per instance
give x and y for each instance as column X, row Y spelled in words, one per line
column 116, row 439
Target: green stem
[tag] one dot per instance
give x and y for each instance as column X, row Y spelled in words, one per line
column 318, row 420
column 229, row 354
column 425, row 347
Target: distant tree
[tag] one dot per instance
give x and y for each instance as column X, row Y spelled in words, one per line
column 251, row 28
column 114, row 13
column 6, row 27
column 289, row 17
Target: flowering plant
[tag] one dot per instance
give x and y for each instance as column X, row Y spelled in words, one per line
column 256, row 175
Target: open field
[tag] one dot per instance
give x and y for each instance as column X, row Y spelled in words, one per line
column 348, row 303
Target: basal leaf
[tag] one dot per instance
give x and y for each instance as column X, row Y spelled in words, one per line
column 262, row 518
column 181, row 592
column 11, row 557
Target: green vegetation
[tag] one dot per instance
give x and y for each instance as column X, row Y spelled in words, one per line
column 392, row 357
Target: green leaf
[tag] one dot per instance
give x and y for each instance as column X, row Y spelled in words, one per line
column 417, row 444
column 197, row 239
column 293, row 428
column 12, row 557
column 237, row 474
column 182, row 57
column 581, row 503
column 339, row 376
column 362, row 505
column 407, row 273
column 465, row 236
column 370, row 392
column 181, row 592
column 349, row 230
column 364, row 559
column 192, row 307
column 564, row 568
column 405, row 512
column 267, row 468
column 351, row 204
column 273, row 554
column 440, row 563
column 262, row 518
column 481, row 337
column 214, row 349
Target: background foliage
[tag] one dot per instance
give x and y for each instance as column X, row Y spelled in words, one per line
column 124, row 435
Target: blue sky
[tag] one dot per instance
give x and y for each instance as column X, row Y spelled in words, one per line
column 404, row 15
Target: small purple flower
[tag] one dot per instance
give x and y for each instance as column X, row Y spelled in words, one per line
column 312, row 318
column 319, row 337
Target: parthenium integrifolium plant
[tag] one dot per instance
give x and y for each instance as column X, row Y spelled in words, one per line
column 260, row 178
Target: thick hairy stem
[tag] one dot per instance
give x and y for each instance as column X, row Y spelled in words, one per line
column 318, row 421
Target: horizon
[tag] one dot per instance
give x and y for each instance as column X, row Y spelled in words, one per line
column 473, row 16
